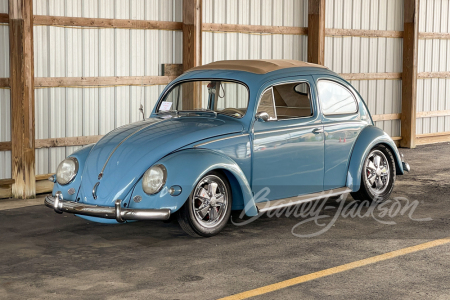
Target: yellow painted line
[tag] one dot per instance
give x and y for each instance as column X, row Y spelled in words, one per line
column 360, row 263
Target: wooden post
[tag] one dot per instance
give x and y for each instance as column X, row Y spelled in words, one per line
column 22, row 98
column 409, row 77
column 192, row 49
column 192, row 33
column 316, row 31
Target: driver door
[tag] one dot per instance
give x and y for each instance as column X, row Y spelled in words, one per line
column 288, row 149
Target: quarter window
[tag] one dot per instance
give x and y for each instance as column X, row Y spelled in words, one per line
column 266, row 104
column 335, row 99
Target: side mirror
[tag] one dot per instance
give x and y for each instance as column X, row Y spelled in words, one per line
column 262, row 116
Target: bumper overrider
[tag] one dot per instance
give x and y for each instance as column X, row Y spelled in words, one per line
column 119, row 213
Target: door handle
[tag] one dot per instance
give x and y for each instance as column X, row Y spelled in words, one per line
column 318, row 130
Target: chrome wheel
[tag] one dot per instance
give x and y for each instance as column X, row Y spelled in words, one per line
column 376, row 172
column 210, row 201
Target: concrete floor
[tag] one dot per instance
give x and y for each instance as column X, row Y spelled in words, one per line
column 51, row 256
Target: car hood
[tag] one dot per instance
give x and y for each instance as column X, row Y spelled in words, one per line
column 123, row 155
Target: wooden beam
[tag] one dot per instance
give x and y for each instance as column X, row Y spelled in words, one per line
column 316, row 31
column 5, row 182
column 386, row 117
column 44, row 186
column 364, row 33
column 5, row 146
column 409, row 77
column 192, row 34
column 44, row 176
column 102, row 81
column 4, row 18
column 4, row 82
column 106, row 23
column 5, row 192
column 436, row 113
column 434, row 35
column 192, row 49
column 67, row 141
column 22, row 98
column 433, row 138
column 371, row 76
column 242, row 28
column 172, row 69
column 425, row 75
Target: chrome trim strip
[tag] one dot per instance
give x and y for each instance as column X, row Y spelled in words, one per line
column 118, row 145
column 116, row 212
column 94, row 191
column 274, row 204
column 299, row 127
column 221, row 139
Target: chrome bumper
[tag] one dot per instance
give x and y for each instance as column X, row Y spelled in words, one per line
column 117, row 212
column 405, row 165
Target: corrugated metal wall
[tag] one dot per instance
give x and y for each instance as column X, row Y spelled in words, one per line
column 220, row 46
column 76, row 52
column 434, row 56
column 3, row 6
column 5, row 114
column 368, row 55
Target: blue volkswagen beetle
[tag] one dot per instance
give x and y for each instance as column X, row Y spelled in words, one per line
column 222, row 133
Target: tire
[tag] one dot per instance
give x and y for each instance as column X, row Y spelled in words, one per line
column 377, row 176
column 204, row 215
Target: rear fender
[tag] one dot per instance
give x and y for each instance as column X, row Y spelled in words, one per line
column 369, row 137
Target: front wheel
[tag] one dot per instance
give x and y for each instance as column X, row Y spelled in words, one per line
column 208, row 208
column 378, row 175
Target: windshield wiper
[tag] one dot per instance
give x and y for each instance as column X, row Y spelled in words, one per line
column 197, row 112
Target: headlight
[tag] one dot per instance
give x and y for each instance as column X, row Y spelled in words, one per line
column 67, row 170
column 154, row 179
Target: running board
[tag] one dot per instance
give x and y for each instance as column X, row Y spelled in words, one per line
column 274, row 204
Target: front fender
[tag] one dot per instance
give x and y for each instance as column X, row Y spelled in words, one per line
column 185, row 168
column 81, row 156
column 369, row 137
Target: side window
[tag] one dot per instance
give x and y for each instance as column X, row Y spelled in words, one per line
column 292, row 100
column 335, row 99
column 266, row 104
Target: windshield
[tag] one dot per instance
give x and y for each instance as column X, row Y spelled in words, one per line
column 222, row 97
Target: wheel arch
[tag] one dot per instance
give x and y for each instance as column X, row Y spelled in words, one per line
column 196, row 163
column 236, row 189
column 369, row 137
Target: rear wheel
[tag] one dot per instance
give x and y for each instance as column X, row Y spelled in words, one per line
column 208, row 208
column 378, row 175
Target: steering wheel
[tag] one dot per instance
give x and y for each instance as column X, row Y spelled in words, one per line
column 234, row 110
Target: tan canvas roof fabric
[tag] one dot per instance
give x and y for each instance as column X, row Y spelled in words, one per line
column 259, row 66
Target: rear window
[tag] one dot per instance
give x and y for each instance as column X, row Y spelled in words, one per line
column 335, row 99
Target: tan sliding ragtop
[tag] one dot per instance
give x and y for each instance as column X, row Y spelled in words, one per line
column 257, row 66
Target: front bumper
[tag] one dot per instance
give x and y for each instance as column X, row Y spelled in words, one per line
column 119, row 213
